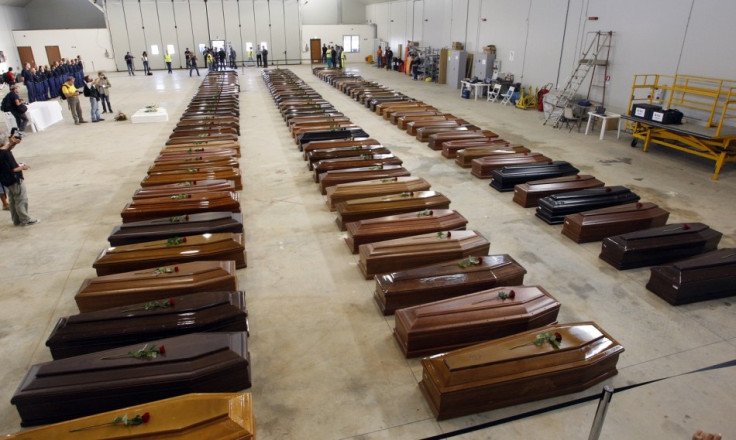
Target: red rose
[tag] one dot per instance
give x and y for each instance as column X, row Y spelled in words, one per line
column 685, row 227
column 512, row 294
column 577, row 177
column 186, row 217
column 162, row 349
column 558, row 337
column 608, row 189
column 172, row 303
column 638, row 205
column 449, row 234
column 431, row 212
column 176, row 268
column 480, row 260
column 145, row 417
column 411, row 193
column 184, row 240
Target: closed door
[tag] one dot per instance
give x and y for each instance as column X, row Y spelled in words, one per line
column 315, row 49
column 26, row 55
column 53, row 54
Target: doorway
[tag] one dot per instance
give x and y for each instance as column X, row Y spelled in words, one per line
column 53, row 54
column 26, row 55
column 315, row 50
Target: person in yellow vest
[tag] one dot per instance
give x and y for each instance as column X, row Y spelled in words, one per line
column 342, row 58
column 167, row 60
column 72, row 98
column 210, row 61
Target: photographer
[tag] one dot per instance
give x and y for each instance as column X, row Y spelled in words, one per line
column 103, row 87
column 17, row 107
column 11, row 177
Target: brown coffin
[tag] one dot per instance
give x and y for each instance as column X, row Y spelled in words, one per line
column 528, row 194
column 192, row 156
column 198, row 173
column 137, row 323
column 205, row 247
column 372, row 207
column 153, row 284
column 403, row 121
column 366, row 160
column 659, row 245
column 180, row 204
column 703, row 277
column 454, row 323
column 204, row 148
column 419, row 250
column 423, row 133
column 482, row 168
column 193, row 416
column 335, row 143
column 194, row 162
column 494, row 374
column 386, row 107
column 180, row 225
column 451, row 122
column 444, row 280
column 210, row 130
column 437, row 140
column 315, row 156
column 451, row 147
column 87, row 384
column 336, row 177
column 373, row 188
column 201, row 138
column 194, row 186
column 598, row 224
column 401, row 118
column 402, row 225
column 464, row 158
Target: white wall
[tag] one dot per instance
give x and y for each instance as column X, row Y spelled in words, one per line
column 64, row 14
column 91, row 44
column 332, row 12
column 10, row 18
column 332, row 35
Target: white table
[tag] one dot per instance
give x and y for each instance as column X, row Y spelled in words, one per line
column 604, row 121
column 142, row 116
column 476, row 88
column 41, row 115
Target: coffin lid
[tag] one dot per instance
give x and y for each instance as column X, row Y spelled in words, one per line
column 188, row 243
column 590, row 192
column 191, row 183
column 410, row 217
column 356, row 148
column 451, row 269
column 369, row 156
column 582, row 344
column 385, row 181
column 359, row 169
column 203, row 217
column 673, row 229
column 413, row 195
column 186, row 275
column 456, row 239
column 718, row 258
column 195, row 197
column 538, row 185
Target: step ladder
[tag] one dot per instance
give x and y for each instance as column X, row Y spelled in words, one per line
column 598, row 48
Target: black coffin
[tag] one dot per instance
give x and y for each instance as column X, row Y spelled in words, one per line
column 659, row 245
column 553, row 209
column 507, row 177
column 135, row 324
column 180, row 225
column 706, row 276
column 327, row 135
column 83, row 385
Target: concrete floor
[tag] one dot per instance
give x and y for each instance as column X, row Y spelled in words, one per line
column 325, row 365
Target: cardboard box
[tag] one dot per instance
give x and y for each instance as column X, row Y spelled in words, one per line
column 489, row 49
column 456, row 45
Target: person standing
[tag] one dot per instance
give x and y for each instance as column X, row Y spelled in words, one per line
column 103, row 87
column 90, row 91
column 28, row 81
column 343, row 57
column 259, row 56
column 129, row 63
column 389, row 58
column 324, row 54
column 193, row 64
column 167, row 60
column 338, row 58
column 333, row 55
column 329, row 57
column 146, row 69
column 72, row 98
column 416, row 62
column 17, row 107
column 11, row 177
column 250, row 55
column 187, row 57
column 9, row 77
column 379, row 57
column 209, row 60
column 232, row 58
column 264, row 54
column 221, row 59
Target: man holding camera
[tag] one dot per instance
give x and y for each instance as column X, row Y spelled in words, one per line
column 11, row 177
column 72, row 98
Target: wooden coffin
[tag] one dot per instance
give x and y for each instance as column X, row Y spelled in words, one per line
column 373, row 188
column 484, row 166
column 313, row 118
column 451, row 122
column 403, row 122
column 194, row 162
column 180, row 204
column 336, row 177
column 202, row 148
column 659, row 245
column 88, row 384
column 419, row 250
column 337, row 153
column 451, row 147
column 425, row 110
column 553, row 209
column 205, row 247
column 137, row 323
column 400, row 119
column 336, row 126
column 366, row 160
column 598, row 224
column 437, row 140
column 193, row 416
column 155, row 283
column 528, row 194
column 423, row 133
column 371, row 207
column 191, row 156
column 202, row 137
column 465, row 156
column 319, row 122
column 402, row 225
column 327, row 145
column 470, row 319
column 208, row 130
column 191, row 174
column 327, row 135
column 374, row 101
column 383, row 108
column 444, row 280
column 180, row 225
column 195, row 186
column 700, row 278
column 506, row 178
column 495, row 374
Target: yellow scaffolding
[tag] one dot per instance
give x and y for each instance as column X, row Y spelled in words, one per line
column 710, row 100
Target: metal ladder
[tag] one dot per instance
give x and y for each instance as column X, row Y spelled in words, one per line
column 601, row 41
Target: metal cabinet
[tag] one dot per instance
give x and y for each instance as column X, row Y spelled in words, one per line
column 456, row 63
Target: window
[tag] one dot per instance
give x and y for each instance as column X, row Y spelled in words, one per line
column 202, row 46
column 154, row 49
column 351, row 43
column 170, row 49
column 263, row 45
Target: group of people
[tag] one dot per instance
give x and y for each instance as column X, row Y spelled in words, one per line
column 130, row 63
column 44, row 82
column 217, row 60
column 384, row 59
column 334, row 56
column 96, row 89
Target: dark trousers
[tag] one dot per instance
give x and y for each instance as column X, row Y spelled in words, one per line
column 106, row 106
column 265, row 61
column 193, row 66
column 259, row 61
column 20, row 120
column 168, row 66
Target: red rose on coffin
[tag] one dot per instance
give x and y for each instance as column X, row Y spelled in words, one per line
column 176, row 268
column 558, row 337
column 184, row 240
column 172, row 303
column 162, row 350
column 145, row 417
column 685, row 227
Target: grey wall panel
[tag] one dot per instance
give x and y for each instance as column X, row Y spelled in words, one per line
column 216, row 20
column 151, row 34
column 248, row 27
column 168, row 32
column 135, row 32
column 184, row 32
column 459, row 23
column 262, row 19
column 232, row 29
column 118, row 32
column 277, row 51
column 417, row 33
column 291, row 24
column 200, row 27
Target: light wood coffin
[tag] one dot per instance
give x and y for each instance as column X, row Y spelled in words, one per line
column 403, row 122
column 202, row 138
column 465, row 320
column 423, row 133
column 494, row 374
column 336, row 177
column 402, row 225
column 88, row 384
column 419, row 250
column 373, row 188
column 366, row 160
column 192, row 156
column 191, row 174
column 400, row 119
column 373, row 207
column 204, row 247
column 180, row 225
column 659, row 245
column 192, row 186
column 528, row 194
column 137, row 323
column 447, row 279
column 451, row 147
column 180, row 204
column 465, row 156
column 437, row 140
column 195, row 162
column 597, row 224
column 700, row 278
column 156, row 283
column 196, row 416
column 336, row 153
column 482, row 167
column 202, row 148
column 426, row 110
